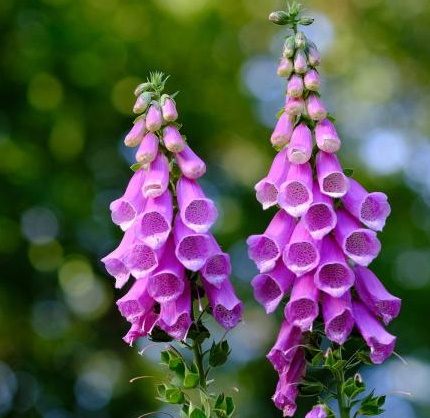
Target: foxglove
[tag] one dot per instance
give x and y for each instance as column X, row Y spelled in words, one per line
column 315, row 252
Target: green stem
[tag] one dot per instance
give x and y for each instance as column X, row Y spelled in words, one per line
column 342, row 399
column 198, row 358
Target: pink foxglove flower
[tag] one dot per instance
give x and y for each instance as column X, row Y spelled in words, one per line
column 295, row 195
column 381, row 342
column 148, row 149
column 125, row 209
column 326, row 136
column 374, row 295
column 300, row 147
column 168, row 109
column 191, row 165
column 372, row 209
column 154, row 119
column 167, row 249
column 338, row 317
column 135, row 136
column 302, row 253
column 295, row 86
column 197, row 211
column 320, row 218
column 283, row 131
column 157, row 177
column 285, row 67
column 312, row 80
column 270, row 288
column 153, row 226
column 302, row 309
column 267, row 189
column 288, row 342
column 267, row 248
column 318, row 411
column 331, row 178
column 312, row 258
column 173, row 140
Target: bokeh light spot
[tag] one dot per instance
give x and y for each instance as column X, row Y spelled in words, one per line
column 67, row 138
column 122, row 96
column 49, row 319
column 39, row 225
column 45, row 92
column 46, row 257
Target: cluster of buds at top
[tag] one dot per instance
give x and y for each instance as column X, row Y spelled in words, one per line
column 167, row 246
column 320, row 242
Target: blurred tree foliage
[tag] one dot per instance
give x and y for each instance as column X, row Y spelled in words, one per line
column 67, row 71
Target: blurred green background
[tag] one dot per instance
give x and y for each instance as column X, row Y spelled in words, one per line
column 67, row 71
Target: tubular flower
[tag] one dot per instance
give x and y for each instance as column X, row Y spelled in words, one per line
column 313, row 258
column 167, row 246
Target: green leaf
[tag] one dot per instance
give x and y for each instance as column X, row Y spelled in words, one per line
column 371, row 405
column 136, row 166
column 198, row 333
column 317, row 359
column 174, row 395
column 218, row 353
column 353, row 387
column 311, row 387
column 280, row 113
column 224, row 406
column 365, row 358
column 197, row 413
column 348, row 172
column 191, row 380
column 159, row 336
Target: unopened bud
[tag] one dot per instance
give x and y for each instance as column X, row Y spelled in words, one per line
column 306, row 21
column 300, row 64
column 141, row 88
column 328, row 353
column 285, row 67
column 279, row 18
column 314, row 56
column 289, row 47
column 300, row 40
column 142, row 102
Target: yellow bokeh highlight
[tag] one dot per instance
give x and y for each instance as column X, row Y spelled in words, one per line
column 45, row 92
column 46, row 257
column 122, row 94
column 67, row 138
column 184, row 9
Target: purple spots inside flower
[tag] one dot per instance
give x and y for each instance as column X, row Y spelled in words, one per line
column 227, row 318
column 140, row 259
column 319, row 217
column 117, row 269
column 154, row 229
column 302, row 312
column 267, row 194
column 388, row 309
column 334, row 276
column 374, row 210
column 217, row 265
column 129, row 309
column 335, row 184
column 122, row 212
column 263, row 249
column 301, row 257
column 164, row 287
column 193, row 251
column 362, row 245
column 379, row 352
column 296, row 194
column 339, row 328
column 200, row 214
column 180, row 328
column 266, row 291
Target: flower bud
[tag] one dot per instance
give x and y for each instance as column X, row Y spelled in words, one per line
column 314, row 56
column 306, row 21
column 154, row 119
column 135, row 136
column 142, row 102
column 285, row 67
column 141, row 88
column 168, row 108
column 294, row 106
column 173, row 140
column 312, row 80
column 315, row 107
column 300, row 64
column 279, row 18
column 300, row 40
column 289, row 47
column 295, row 86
